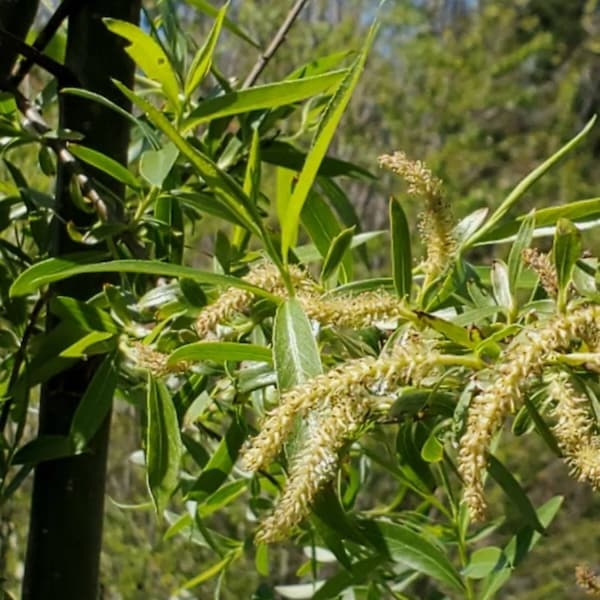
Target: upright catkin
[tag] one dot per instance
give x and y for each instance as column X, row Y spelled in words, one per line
column 436, row 221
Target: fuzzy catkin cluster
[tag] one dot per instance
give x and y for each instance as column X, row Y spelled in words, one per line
column 522, row 361
column 353, row 311
column 436, row 222
column 145, row 357
column 587, row 580
column 574, row 430
column 337, row 403
column 235, row 300
column 541, row 264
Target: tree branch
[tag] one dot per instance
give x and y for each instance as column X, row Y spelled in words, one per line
column 279, row 38
column 66, row 8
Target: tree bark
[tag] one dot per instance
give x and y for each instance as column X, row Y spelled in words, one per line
column 65, row 534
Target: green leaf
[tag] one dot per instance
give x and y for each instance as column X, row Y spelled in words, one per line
column 203, row 59
column 219, row 466
column 483, row 561
column 207, row 8
column 565, row 252
column 295, row 350
column 155, row 165
column 325, row 132
column 95, row 404
column 284, row 154
column 105, row 164
column 501, row 285
column 337, row 250
column 221, row 183
column 163, row 444
column 262, row 97
column 87, row 316
column 453, row 332
column 406, row 546
column 516, row 494
column 220, row 352
column 527, row 182
column 401, row 253
column 209, row 573
column 432, row 450
column 144, row 127
column 56, row 269
column 515, row 260
column 149, row 56
column 42, row 448
column 222, row 497
column 518, row 548
column 360, row 572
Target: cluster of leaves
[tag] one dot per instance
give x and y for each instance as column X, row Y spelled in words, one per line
column 200, row 400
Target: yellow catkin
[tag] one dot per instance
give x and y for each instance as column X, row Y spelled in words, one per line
column 507, row 381
column 541, row 264
column 313, row 465
column 574, row 430
column 145, row 357
column 235, row 301
column 352, row 379
column 587, row 580
column 436, row 222
column 333, row 406
column 355, row 311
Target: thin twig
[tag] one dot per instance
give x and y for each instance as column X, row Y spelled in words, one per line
column 279, row 38
column 66, row 8
column 20, row 356
column 62, row 74
column 35, row 121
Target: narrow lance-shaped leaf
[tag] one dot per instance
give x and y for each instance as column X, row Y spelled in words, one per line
column 95, row 404
column 515, row 259
column 202, row 61
column 262, row 97
column 56, row 269
column 220, row 182
column 505, row 479
column 106, row 164
column 149, row 56
column 295, row 350
column 565, row 251
column 325, row 132
column 401, row 253
column 207, row 8
column 337, row 250
column 251, row 187
column 220, row 352
column 527, row 182
column 406, row 546
column 163, row 444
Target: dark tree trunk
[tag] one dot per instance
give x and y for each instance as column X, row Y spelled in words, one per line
column 65, row 534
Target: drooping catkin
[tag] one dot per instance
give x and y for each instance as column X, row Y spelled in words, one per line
column 314, row 464
column 574, row 430
column 333, row 406
column 436, row 222
column 351, row 379
column 522, row 361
